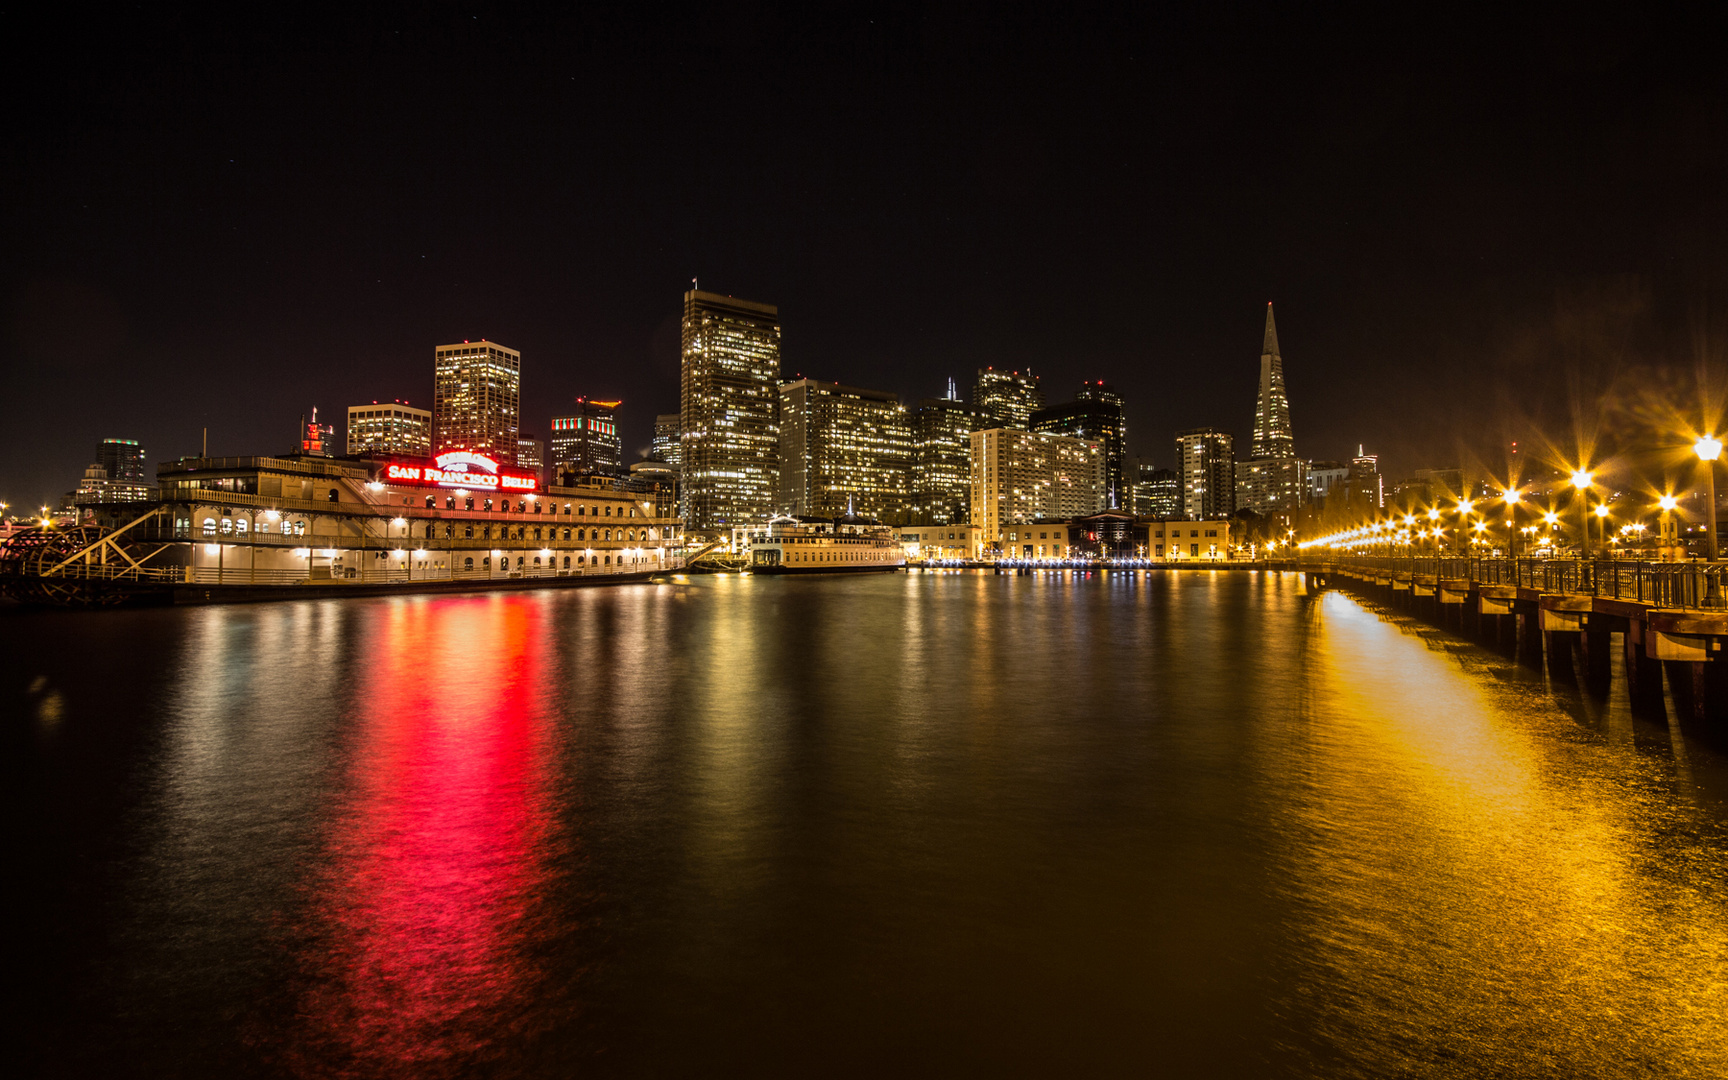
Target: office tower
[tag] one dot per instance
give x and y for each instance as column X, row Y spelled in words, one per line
column 942, row 460
column 477, row 400
column 531, row 454
column 1008, row 398
column 1367, row 491
column 729, row 409
column 1157, row 493
column 587, row 443
column 1208, row 473
column 1271, row 487
column 1272, row 434
column 1324, row 477
column 1020, row 476
column 393, row 428
column 121, row 459
column 665, row 444
column 842, row 448
column 1094, row 414
column 317, row 440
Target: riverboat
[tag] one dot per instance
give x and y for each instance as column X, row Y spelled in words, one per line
column 808, row 545
column 258, row 528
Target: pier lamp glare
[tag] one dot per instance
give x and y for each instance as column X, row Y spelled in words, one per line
column 1708, row 448
column 1602, row 511
column 1464, row 506
column 1667, row 503
column 1434, row 514
column 1551, row 518
column 211, row 549
column 1580, row 479
column 1512, row 496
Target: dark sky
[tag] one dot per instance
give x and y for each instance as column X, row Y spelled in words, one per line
column 1467, row 226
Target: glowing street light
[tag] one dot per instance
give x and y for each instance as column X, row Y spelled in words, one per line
column 1708, row 449
column 1581, row 481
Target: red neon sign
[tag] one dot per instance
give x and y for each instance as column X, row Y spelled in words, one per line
column 461, row 469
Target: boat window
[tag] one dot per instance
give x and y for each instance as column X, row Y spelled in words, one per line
column 467, row 564
column 209, row 526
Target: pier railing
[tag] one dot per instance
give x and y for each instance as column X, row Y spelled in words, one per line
column 1699, row 585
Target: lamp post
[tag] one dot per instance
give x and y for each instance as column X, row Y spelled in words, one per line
column 1512, row 496
column 1581, row 481
column 1669, row 537
column 1602, row 516
column 1708, row 449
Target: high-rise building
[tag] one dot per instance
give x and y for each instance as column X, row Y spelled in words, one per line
column 531, row 454
column 1157, row 493
column 1020, row 476
column 1273, row 437
column 477, row 400
column 1324, row 477
column 122, row 460
column 942, row 461
column 665, row 445
column 392, row 428
column 1367, row 489
column 317, row 440
column 842, row 449
column 1208, row 473
column 587, row 443
column 1272, row 482
column 729, row 409
column 1095, row 414
column 1008, row 398
column 1271, row 487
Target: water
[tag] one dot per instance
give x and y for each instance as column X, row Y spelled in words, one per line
column 1175, row 823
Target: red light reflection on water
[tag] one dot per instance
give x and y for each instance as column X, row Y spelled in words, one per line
column 432, row 883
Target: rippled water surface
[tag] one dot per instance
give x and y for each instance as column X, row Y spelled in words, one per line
column 1163, row 824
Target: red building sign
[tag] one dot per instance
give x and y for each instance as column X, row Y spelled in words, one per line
column 460, row 469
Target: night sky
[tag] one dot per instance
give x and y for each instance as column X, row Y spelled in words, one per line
column 1472, row 230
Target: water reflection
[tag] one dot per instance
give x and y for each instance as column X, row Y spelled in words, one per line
column 428, row 899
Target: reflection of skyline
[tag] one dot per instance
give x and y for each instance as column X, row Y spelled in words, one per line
column 438, row 847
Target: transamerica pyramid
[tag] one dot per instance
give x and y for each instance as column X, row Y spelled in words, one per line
column 1272, row 435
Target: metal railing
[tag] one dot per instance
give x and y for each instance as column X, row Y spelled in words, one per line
column 1661, row 584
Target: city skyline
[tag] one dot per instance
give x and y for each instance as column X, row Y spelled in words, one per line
column 1528, row 210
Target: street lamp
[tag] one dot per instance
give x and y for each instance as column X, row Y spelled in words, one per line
column 1669, row 538
column 1581, row 481
column 1708, row 449
column 1602, row 513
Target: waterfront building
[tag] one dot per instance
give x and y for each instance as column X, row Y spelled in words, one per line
column 1186, row 539
column 664, row 446
column 942, row 460
column 1095, row 414
column 391, row 428
column 1045, row 538
column 587, row 443
column 813, row 545
column 459, row 517
column 1157, row 493
column 843, row 450
column 122, row 461
column 729, row 421
column 1007, row 398
column 950, row 541
column 1208, row 473
column 1022, row 476
column 477, row 399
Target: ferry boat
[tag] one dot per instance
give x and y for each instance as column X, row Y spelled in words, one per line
column 807, row 545
column 257, row 528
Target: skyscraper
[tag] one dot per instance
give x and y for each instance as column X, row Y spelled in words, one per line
column 942, row 461
column 1208, row 473
column 729, row 409
column 1020, row 476
column 1272, row 481
column 587, row 443
column 1008, row 398
column 477, row 400
column 665, row 444
column 394, row 427
column 1272, row 434
column 1157, row 493
column 122, row 459
column 1095, row 413
column 842, row 449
